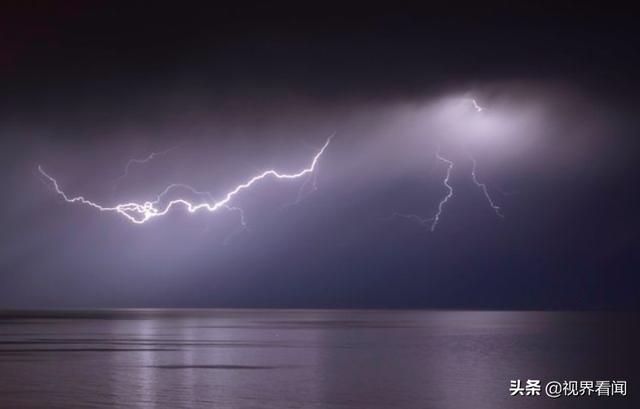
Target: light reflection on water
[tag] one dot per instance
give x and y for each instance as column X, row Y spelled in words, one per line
column 307, row 358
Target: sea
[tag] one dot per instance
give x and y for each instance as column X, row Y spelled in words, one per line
column 318, row 359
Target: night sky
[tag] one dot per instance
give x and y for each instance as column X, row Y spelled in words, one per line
column 233, row 90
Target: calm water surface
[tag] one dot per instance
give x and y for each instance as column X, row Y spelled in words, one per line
column 279, row 359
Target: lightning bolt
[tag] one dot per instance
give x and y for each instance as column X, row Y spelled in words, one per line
column 474, row 173
column 307, row 188
column 445, row 182
column 140, row 213
column 142, row 161
column 433, row 221
column 208, row 195
column 243, row 222
column 483, row 187
column 441, row 205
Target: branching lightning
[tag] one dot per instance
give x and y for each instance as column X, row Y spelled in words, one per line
column 140, row 213
column 136, row 161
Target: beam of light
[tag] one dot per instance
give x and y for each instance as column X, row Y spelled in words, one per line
column 140, row 213
column 445, row 182
column 136, row 161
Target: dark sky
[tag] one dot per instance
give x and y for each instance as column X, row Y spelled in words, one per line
column 240, row 88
